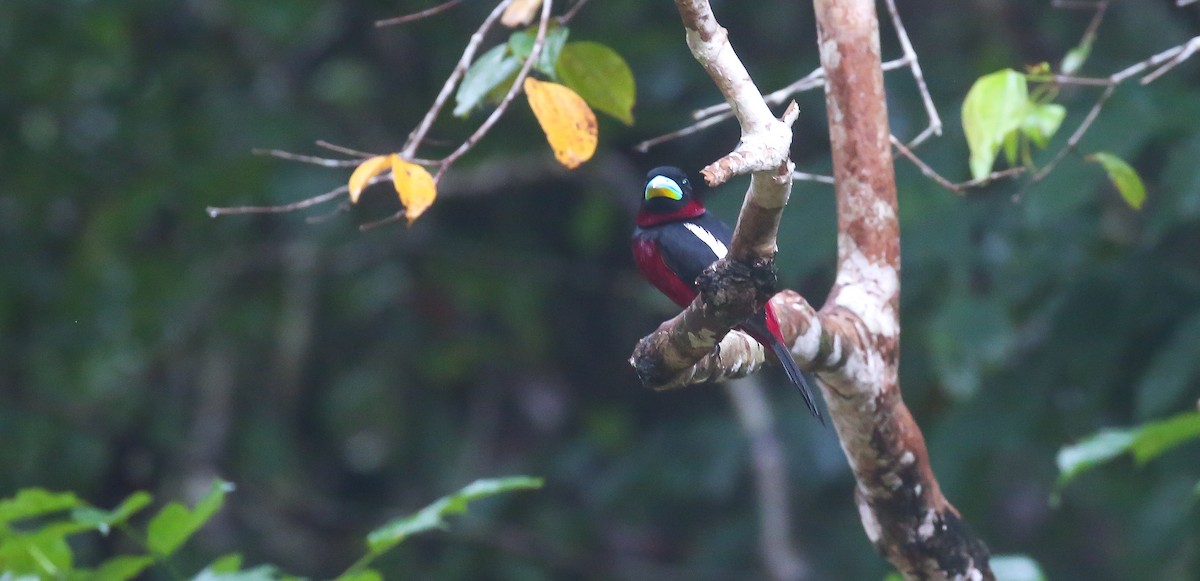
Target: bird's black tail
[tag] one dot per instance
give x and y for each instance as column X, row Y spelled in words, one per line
column 796, row 376
column 758, row 328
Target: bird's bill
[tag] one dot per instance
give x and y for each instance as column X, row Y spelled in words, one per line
column 663, row 187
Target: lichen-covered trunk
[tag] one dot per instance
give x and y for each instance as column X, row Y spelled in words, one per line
column 901, row 505
column 853, row 341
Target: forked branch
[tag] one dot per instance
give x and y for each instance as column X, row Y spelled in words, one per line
column 852, row 341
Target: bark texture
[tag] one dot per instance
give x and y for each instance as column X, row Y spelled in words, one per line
column 853, row 341
column 901, row 505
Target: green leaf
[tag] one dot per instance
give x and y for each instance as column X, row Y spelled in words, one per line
column 1016, row 568
column 121, row 568
column 521, row 44
column 1123, row 176
column 260, row 573
column 30, row 502
column 1157, row 437
column 1012, row 144
column 488, row 71
column 600, row 76
column 1075, row 57
column 226, row 564
column 432, row 516
column 364, row 575
column 103, row 520
column 1171, row 370
column 43, row 552
column 1042, row 121
column 1145, row 442
column 1091, row 452
column 994, row 108
column 175, row 524
column 893, row 576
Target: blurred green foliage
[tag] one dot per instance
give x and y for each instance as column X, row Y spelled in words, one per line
column 35, row 530
column 337, row 376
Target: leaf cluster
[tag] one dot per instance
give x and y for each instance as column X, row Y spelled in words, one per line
column 36, row 524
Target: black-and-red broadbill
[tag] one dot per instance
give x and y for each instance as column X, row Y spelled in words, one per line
column 676, row 239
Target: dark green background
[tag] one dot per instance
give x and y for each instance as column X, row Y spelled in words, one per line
column 343, row 378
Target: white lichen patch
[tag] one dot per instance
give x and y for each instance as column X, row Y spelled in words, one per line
column 706, row 338
column 870, row 525
column 928, row 526
column 831, row 57
column 907, row 458
column 866, row 288
column 892, row 480
column 808, row 345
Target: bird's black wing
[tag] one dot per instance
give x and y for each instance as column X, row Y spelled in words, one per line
column 689, row 247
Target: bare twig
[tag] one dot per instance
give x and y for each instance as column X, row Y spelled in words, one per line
column 960, row 187
column 292, row 207
column 487, row 124
column 341, row 208
column 310, row 159
column 812, row 177
column 345, row 150
column 570, row 14
column 1165, row 60
column 1188, row 50
column 914, row 64
column 1077, row 4
column 1089, row 34
column 460, row 69
column 698, row 126
column 418, row 15
column 1073, row 141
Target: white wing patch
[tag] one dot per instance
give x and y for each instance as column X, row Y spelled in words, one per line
column 717, row 247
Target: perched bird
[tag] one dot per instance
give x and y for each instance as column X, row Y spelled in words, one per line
column 676, row 239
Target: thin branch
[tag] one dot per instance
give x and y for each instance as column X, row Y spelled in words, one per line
column 214, row 211
column 486, row 126
column 1188, row 50
column 1073, row 141
column 417, row 15
column 1077, row 4
column 570, row 14
column 910, row 55
column 341, row 208
column 645, row 146
column 310, row 159
column 812, row 177
column 961, row 187
column 713, row 114
column 1089, row 34
column 398, row 216
column 345, row 150
column 460, row 69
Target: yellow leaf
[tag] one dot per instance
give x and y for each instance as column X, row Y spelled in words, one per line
column 566, row 119
column 365, row 171
column 520, row 13
column 416, row 187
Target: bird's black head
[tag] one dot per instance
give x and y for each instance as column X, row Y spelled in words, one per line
column 668, row 197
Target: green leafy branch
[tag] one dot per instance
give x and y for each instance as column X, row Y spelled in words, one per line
column 589, row 73
column 1144, row 443
column 35, row 525
column 1000, row 111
